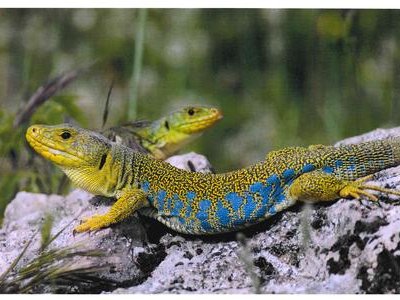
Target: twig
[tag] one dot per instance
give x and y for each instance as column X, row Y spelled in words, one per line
column 107, row 106
column 42, row 94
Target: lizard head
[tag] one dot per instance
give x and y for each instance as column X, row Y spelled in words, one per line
column 68, row 146
column 83, row 155
column 192, row 119
column 167, row 135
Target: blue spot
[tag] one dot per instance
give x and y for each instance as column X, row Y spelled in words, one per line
column 277, row 191
column 261, row 212
column 351, row 168
column 274, row 179
column 222, row 214
column 188, row 210
column 265, row 193
column 160, row 199
column 146, row 186
column 189, row 223
column 181, row 220
column 169, row 204
column 308, row 168
column 202, row 215
column 256, row 187
column 280, row 198
column 263, row 190
column 204, row 204
column 272, row 210
column 249, row 207
column 338, row 163
column 381, row 164
column 150, row 198
column 178, row 205
column 239, row 222
column 235, row 200
column 191, row 195
column 328, row 169
column 206, row 226
column 288, row 175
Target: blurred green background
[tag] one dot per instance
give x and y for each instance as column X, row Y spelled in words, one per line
column 281, row 77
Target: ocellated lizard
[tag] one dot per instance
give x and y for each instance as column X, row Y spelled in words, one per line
column 197, row 203
column 167, row 135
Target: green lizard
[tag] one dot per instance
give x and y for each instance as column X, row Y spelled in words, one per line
column 164, row 137
column 196, row 203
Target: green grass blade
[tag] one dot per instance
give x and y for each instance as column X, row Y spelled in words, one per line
column 137, row 65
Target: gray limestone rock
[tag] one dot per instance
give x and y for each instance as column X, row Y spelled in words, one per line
column 26, row 213
column 345, row 246
column 191, row 162
column 377, row 134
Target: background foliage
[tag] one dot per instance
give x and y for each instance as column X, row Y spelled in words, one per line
column 281, row 77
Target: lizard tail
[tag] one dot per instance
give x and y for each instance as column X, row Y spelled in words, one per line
column 366, row 158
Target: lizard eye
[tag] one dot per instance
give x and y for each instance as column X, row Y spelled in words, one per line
column 65, row 135
column 191, row 111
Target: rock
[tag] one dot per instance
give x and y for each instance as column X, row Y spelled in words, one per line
column 377, row 134
column 191, row 162
column 25, row 214
column 345, row 246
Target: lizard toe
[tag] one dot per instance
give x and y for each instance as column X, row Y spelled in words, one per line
column 92, row 223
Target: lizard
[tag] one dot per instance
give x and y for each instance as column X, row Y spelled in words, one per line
column 196, row 203
column 164, row 137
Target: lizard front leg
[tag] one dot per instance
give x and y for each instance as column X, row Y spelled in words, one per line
column 128, row 202
column 320, row 186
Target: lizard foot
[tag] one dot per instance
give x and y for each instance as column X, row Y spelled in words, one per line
column 355, row 192
column 357, row 188
column 92, row 223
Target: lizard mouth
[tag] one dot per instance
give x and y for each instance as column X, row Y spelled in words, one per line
column 202, row 123
column 50, row 149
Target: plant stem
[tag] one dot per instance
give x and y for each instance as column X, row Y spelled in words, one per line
column 137, row 64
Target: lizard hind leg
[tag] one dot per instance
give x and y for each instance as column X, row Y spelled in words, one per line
column 318, row 186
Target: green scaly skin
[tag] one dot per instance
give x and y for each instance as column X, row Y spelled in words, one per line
column 166, row 136
column 198, row 203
